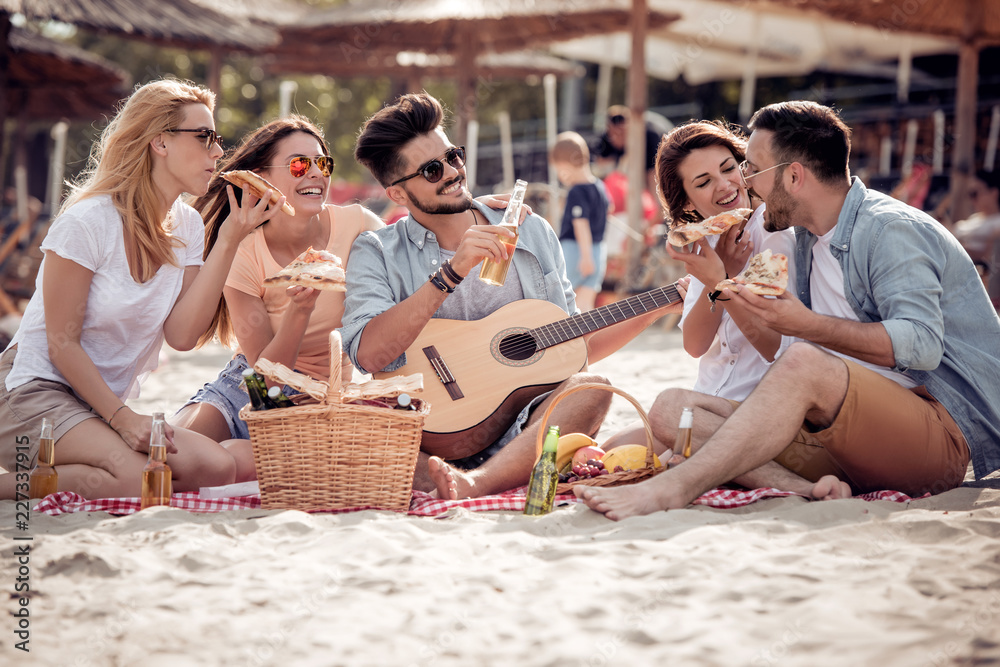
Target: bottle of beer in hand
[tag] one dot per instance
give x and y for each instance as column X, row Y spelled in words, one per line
column 157, row 480
column 44, row 479
column 544, row 478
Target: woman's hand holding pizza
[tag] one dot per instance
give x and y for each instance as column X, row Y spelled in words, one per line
column 735, row 248
column 302, row 298
column 701, row 261
column 243, row 220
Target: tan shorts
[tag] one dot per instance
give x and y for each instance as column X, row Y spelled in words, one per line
column 885, row 437
column 22, row 409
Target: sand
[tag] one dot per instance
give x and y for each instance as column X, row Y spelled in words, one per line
column 779, row 582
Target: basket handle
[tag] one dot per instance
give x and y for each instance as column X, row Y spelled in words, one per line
column 333, row 394
column 543, row 425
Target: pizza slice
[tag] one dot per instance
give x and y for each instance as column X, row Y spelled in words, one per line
column 766, row 274
column 682, row 235
column 318, row 269
column 256, row 185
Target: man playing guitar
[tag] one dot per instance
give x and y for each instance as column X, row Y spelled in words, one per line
column 391, row 300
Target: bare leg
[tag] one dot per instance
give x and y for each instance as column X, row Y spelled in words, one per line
column 583, row 412
column 756, row 432
column 203, row 418
column 95, row 462
column 242, row 453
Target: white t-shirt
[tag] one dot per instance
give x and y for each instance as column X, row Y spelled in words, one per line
column 826, row 290
column 732, row 366
column 123, row 321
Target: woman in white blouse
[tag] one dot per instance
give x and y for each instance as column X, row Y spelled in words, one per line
column 122, row 272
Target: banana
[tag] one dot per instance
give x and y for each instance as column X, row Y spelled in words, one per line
column 629, row 457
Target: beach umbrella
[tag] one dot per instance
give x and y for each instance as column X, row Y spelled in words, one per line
column 715, row 41
column 972, row 24
column 361, row 30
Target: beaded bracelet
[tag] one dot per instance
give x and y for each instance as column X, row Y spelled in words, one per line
column 439, row 282
column 451, row 273
column 112, row 417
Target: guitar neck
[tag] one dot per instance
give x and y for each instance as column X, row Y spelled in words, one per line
column 605, row 316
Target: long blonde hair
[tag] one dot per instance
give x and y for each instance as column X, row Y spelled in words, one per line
column 121, row 165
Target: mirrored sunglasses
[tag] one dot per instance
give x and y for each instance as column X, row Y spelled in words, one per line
column 300, row 166
column 433, row 170
column 208, row 136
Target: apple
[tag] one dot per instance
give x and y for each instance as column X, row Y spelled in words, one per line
column 585, row 454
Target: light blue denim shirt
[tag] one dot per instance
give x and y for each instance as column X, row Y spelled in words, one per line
column 903, row 269
column 388, row 265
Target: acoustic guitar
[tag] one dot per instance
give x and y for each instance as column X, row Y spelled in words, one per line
column 479, row 374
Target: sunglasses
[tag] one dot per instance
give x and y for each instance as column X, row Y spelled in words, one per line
column 300, row 166
column 208, row 136
column 433, row 170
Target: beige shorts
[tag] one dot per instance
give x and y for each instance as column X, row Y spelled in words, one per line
column 22, row 409
column 884, row 437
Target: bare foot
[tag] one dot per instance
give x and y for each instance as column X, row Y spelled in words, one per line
column 451, row 483
column 830, row 487
column 617, row 503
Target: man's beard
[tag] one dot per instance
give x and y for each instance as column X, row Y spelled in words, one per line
column 436, row 208
column 780, row 211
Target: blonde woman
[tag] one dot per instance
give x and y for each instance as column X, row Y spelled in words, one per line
column 122, row 272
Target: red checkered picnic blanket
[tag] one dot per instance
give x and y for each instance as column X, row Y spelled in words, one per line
column 421, row 504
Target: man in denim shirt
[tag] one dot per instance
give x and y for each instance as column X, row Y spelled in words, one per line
column 897, row 380
column 447, row 235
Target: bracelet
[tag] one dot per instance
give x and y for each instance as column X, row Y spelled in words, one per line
column 439, row 282
column 451, row 273
column 112, row 417
column 714, row 296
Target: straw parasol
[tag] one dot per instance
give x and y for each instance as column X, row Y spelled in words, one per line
column 464, row 29
column 972, row 23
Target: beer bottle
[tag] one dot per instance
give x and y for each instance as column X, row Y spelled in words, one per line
column 43, row 478
column 157, row 480
column 544, row 477
column 682, row 443
column 276, row 396
column 495, row 272
column 253, row 390
column 404, row 402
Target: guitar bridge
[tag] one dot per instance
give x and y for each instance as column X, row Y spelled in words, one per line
column 443, row 372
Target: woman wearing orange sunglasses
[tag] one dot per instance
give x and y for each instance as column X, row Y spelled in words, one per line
column 289, row 325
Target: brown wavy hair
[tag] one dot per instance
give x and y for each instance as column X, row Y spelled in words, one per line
column 257, row 150
column 675, row 147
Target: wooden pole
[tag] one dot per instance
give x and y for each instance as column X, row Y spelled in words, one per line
column 4, row 91
column 636, row 140
column 964, row 160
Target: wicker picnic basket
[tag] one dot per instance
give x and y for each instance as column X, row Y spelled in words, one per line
column 335, row 455
column 612, row 478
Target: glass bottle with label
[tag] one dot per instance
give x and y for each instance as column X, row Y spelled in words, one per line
column 157, row 480
column 544, row 477
column 43, row 478
column 495, row 272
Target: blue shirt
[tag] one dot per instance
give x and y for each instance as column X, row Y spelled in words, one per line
column 590, row 201
column 386, row 266
column 903, row 269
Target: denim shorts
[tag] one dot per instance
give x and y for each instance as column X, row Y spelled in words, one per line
column 476, row 460
column 571, row 253
column 226, row 394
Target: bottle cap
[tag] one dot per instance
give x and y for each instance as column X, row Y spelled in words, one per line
column 687, row 418
column 404, row 400
column 274, row 392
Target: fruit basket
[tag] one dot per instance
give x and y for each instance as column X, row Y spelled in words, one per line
column 612, row 478
column 333, row 454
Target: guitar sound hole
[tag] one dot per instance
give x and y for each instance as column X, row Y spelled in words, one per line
column 518, row 347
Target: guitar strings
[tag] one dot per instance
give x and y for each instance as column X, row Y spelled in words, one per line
column 565, row 329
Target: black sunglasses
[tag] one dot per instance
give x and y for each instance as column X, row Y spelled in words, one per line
column 433, row 170
column 209, row 136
